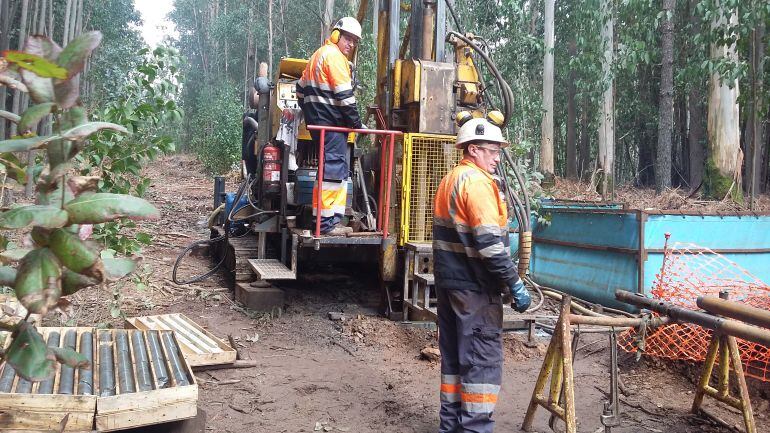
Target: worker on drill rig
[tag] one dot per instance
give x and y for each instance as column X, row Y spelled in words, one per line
column 325, row 94
column 473, row 270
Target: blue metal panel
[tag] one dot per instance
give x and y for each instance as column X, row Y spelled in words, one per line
column 715, row 232
column 618, row 230
column 588, row 274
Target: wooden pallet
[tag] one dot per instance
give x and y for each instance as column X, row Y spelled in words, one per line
column 199, row 346
column 168, row 400
column 31, row 411
column 122, row 408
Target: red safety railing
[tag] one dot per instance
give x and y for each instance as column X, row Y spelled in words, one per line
column 387, row 141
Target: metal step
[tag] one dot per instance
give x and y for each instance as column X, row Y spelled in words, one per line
column 271, row 269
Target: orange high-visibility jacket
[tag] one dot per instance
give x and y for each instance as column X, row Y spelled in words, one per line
column 470, row 233
column 325, row 91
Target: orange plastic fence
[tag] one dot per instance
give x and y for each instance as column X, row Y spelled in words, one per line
column 690, row 271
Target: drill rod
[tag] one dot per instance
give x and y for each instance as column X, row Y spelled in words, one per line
column 67, row 376
column 158, row 361
column 143, row 376
column 125, row 370
column 106, row 365
column 86, row 374
column 724, row 326
column 46, row 386
column 735, row 310
column 172, row 350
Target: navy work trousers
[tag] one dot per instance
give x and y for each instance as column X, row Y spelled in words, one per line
column 336, row 170
column 470, row 339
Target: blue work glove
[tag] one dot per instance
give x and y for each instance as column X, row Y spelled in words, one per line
column 521, row 298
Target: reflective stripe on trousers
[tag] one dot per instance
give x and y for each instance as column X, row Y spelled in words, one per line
column 470, row 340
column 336, row 170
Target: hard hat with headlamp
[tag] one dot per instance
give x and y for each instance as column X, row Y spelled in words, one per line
column 477, row 130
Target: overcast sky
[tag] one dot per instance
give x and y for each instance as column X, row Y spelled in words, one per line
column 154, row 16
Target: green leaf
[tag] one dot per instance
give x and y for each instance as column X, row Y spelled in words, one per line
column 33, row 116
column 59, row 151
column 67, row 93
column 73, row 117
column 76, row 254
column 38, row 281
column 71, row 282
column 144, row 238
column 36, row 64
column 14, row 255
column 70, row 357
column 82, row 131
column 29, row 355
column 42, row 46
column 35, row 215
column 10, row 116
column 116, row 269
column 40, row 88
column 74, row 56
column 103, row 207
column 25, row 144
column 7, row 276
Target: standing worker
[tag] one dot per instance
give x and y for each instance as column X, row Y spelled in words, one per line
column 326, row 97
column 472, row 269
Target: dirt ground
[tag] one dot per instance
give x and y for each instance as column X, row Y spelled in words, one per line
column 362, row 374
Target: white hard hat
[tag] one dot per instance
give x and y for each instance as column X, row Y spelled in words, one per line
column 349, row 25
column 479, row 130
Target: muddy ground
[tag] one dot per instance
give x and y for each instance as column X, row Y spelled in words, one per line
column 363, row 374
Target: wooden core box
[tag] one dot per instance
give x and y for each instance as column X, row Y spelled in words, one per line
column 136, row 378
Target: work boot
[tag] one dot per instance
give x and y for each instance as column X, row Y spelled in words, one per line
column 339, row 231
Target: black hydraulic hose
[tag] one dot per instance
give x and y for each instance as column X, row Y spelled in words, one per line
column 526, row 207
column 223, row 238
column 454, row 15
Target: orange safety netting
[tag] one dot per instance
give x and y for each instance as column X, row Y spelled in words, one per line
column 690, row 271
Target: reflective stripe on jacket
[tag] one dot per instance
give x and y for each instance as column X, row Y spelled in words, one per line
column 325, row 90
column 470, row 232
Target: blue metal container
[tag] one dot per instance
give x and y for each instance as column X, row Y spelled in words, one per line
column 590, row 253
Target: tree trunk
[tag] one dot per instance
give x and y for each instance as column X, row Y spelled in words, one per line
column 607, row 121
column 645, row 170
column 5, row 42
column 584, row 166
column 270, row 37
column 722, row 177
column 282, row 4
column 546, row 143
column 326, row 24
column 754, row 134
column 67, row 23
column 16, row 104
column 696, row 134
column 571, row 163
column 666, row 107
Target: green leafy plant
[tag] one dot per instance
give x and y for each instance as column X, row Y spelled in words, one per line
column 61, row 260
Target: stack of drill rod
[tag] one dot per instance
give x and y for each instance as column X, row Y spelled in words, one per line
column 131, row 361
column 64, row 381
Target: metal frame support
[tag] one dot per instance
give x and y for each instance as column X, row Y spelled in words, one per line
column 558, row 365
column 725, row 348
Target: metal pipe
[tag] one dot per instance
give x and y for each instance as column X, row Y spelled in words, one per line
column 577, row 319
column 428, row 20
column 735, row 310
column 143, row 375
column 86, row 374
column 125, row 369
column 67, row 374
column 172, row 351
column 106, row 365
column 158, row 360
column 46, row 386
column 725, row 326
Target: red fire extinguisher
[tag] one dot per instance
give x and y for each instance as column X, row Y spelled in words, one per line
column 271, row 169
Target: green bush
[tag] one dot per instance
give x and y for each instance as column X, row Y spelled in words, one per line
column 214, row 133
